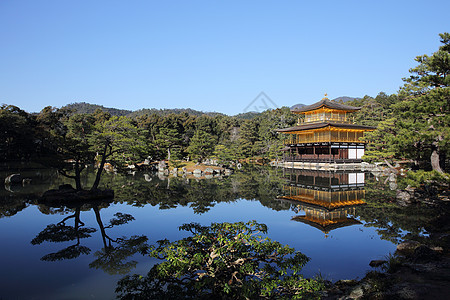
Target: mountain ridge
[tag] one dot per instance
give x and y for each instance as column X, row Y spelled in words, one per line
column 341, row 99
column 84, row 107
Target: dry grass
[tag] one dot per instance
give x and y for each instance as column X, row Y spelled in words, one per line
column 191, row 166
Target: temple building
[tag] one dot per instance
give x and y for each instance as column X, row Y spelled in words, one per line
column 328, row 199
column 324, row 134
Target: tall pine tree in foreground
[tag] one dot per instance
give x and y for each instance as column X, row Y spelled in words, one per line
column 418, row 122
column 423, row 117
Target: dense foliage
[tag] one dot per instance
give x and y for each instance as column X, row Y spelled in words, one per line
column 70, row 140
column 113, row 257
column 222, row 261
column 16, row 133
column 87, row 108
column 414, row 124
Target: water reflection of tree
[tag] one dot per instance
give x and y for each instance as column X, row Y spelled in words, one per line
column 394, row 223
column 264, row 184
column 9, row 206
column 112, row 258
column 61, row 232
column 256, row 184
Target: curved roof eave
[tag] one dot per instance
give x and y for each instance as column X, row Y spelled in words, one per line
column 325, row 124
column 327, row 103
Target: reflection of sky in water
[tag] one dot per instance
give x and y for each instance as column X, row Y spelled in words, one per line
column 344, row 253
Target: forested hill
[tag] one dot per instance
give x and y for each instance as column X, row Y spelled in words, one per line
column 345, row 99
column 83, row 107
column 342, row 99
column 300, row 105
column 87, row 108
column 168, row 111
column 248, row 115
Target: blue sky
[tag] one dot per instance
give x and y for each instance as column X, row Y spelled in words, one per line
column 209, row 55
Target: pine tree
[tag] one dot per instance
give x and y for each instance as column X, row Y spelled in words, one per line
column 423, row 115
column 381, row 142
column 424, row 126
column 201, row 145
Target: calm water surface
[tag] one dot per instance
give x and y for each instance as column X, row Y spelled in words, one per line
column 59, row 252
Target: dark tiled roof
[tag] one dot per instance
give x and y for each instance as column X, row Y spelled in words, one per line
column 321, row 125
column 327, row 103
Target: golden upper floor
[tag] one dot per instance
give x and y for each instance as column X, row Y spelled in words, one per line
column 325, row 111
column 325, row 121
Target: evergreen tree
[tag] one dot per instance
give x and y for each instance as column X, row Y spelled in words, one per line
column 424, row 127
column 201, row 145
column 166, row 139
column 16, row 133
column 423, row 114
column 248, row 138
column 269, row 141
column 418, row 127
column 432, row 72
column 381, row 142
column 120, row 141
column 75, row 148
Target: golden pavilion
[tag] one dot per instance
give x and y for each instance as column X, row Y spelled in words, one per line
column 328, row 199
column 325, row 134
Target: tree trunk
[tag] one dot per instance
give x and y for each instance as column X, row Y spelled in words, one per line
column 391, row 166
column 168, row 153
column 100, row 168
column 435, row 159
column 77, row 176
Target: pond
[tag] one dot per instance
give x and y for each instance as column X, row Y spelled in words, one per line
column 340, row 220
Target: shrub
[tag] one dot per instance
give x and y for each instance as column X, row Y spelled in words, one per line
column 222, row 261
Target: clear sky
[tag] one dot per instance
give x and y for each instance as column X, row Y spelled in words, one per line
column 209, row 55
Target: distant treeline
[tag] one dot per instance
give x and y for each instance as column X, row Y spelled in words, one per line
column 160, row 134
column 87, row 108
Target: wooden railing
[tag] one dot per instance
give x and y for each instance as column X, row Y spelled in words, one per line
column 319, row 120
column 319, row 139
column 326, row 117
column 320, row 159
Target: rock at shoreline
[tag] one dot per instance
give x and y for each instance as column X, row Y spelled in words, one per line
column 404, row 198
column 13, row 179
column 377, row 263
column 407, row 246
column 346, row 282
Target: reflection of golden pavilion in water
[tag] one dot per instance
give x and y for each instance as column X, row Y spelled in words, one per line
column 327, row 198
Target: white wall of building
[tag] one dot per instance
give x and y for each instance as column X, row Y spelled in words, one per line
column 359, row 153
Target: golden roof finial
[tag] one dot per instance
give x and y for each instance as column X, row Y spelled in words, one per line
column 325, row 96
